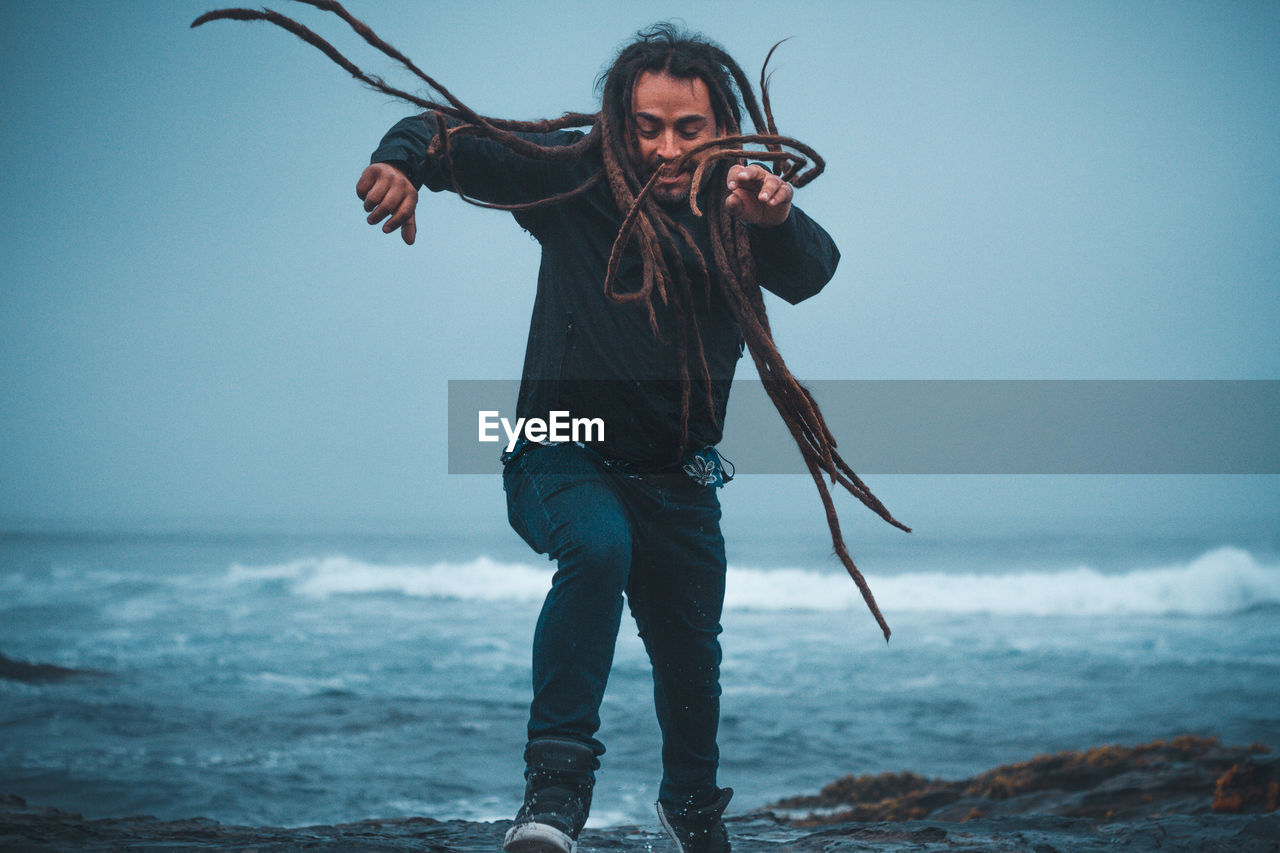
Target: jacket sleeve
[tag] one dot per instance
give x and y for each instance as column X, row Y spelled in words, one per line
column 796, row 259
column 481, row 168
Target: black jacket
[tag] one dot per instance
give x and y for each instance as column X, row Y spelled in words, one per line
column 588, row 354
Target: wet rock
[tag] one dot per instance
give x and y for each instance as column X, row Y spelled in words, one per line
column 1253, row 785
column 38, row 673
column 1152, row 797
column 1105, row 783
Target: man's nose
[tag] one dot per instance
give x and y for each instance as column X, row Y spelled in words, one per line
column 668, row 146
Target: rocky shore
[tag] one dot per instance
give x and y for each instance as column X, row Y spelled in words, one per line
column 1186, row 794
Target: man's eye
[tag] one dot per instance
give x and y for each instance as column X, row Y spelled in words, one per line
column 648, row 134
column 691, row 134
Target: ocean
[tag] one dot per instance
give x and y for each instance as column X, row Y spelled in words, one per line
column 287, row 679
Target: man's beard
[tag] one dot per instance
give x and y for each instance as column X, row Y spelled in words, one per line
column 671, row 195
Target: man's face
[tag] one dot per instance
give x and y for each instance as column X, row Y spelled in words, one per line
column 672, row 115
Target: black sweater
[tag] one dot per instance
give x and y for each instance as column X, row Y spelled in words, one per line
column 588, row 354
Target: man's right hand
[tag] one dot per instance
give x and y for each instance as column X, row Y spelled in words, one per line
column 388, row 193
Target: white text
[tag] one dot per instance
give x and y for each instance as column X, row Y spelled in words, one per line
column 558, row 427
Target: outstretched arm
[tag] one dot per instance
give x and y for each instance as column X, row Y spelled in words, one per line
column 481, row 167
column 794, row 255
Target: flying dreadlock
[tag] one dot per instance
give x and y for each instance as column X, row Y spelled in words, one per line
column 667, row 277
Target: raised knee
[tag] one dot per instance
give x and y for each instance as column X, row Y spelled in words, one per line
column 598, row 556
column 599, row 553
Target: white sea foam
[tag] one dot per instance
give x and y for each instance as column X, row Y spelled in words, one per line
column 1226, row 580
column 481, row 579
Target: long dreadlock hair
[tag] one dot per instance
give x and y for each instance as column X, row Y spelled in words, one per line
column 668, row 280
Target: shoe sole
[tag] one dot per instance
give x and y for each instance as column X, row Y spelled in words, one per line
column 537, row 838
column 671, row 831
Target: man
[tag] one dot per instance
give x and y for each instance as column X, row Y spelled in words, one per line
column 645, row 336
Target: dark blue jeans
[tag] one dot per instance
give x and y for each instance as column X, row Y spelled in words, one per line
column 656, row 539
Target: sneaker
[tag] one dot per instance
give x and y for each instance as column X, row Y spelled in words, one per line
column 557, row 798
column 698, row 830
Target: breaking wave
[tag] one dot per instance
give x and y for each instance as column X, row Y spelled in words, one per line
column 481, row 579
column 1225, row 580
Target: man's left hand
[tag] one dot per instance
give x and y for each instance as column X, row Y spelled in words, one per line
column 758, row 196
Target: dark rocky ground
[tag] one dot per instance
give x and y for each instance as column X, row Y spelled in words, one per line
column 1187, row 794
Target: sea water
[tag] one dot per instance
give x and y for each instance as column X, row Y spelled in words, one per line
column 292, row 679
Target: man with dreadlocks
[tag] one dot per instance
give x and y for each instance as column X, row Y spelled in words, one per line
column 645, row 301
column 643, row 333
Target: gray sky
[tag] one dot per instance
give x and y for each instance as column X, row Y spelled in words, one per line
column 196, row 323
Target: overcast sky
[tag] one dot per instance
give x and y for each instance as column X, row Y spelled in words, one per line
column 196, row 323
